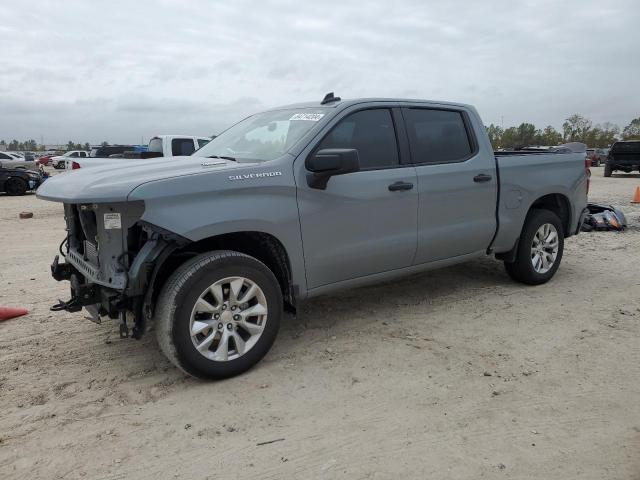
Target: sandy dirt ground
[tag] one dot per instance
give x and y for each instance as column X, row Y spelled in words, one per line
column 458, row 373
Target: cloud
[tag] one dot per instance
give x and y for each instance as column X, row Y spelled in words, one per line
column 123, row 70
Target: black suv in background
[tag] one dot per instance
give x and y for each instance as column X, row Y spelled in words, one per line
column 106, row 152
column 623, row 156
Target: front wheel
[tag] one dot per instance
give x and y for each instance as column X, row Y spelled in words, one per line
column 607, row 170
column 218, row 314
column 540, row 249
column 15, row 187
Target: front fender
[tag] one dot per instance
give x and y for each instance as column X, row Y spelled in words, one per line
column 200, row 207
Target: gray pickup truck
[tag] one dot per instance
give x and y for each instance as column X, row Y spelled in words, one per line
column 300, row 201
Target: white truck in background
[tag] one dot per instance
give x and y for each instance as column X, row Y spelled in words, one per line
column 159, row 146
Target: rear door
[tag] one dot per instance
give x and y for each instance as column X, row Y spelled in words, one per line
column 358, row 225
column 457, row 184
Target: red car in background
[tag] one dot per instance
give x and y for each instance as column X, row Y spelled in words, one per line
column 44, row 160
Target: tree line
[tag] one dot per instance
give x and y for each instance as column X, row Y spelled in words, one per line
column 576, row 128
column 32, row 146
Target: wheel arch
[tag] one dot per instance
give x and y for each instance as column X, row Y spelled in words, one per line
column 557, row 203
column 265, row 247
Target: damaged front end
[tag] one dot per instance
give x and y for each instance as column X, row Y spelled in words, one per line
column 111, row 258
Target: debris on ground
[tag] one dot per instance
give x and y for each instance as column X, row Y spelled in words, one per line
column 24, row 215
column 603, row 218
column 270, row 441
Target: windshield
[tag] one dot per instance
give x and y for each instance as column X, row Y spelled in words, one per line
column 264, row 136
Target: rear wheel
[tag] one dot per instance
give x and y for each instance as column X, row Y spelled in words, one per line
column 218, row 314
column 15, row 187
column 540, row 249
column 607, row 170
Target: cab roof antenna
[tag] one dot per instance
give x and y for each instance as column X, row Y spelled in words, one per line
column 329, row 98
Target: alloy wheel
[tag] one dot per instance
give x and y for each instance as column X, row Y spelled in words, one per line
column 228, row 318
column 544, row 248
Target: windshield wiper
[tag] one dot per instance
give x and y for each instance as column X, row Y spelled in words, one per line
column 222, row 157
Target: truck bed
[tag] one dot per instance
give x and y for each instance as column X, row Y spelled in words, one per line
column 525, row 177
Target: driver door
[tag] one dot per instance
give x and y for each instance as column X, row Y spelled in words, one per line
column 364, row 222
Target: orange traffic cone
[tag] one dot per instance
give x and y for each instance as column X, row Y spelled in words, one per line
column 636, row 196
column 11, row 312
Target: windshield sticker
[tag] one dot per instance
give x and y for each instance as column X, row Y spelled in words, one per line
column 310, row 117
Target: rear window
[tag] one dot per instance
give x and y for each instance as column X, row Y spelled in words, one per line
column 437, row 136
column 155, row 145
column 626, row 147
column 105, row 152
column 182, row 146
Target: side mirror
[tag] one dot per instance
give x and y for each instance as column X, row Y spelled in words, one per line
column 326, row 163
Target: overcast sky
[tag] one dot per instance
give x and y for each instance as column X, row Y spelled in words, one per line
column 125, row 70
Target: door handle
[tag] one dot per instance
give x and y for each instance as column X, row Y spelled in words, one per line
column 394, row 187
column 481, row 178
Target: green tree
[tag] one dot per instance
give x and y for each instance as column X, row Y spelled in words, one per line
column 71, row 145
column 602, row 135
column 105, row 144
column 632, row 131
column 521, row 136
column 576, row 128
column 510, row 138
column 13, row 145
column 86, row 146
column 495, row 135
column 549, row 136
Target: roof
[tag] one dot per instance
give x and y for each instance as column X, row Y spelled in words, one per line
column 354, row 101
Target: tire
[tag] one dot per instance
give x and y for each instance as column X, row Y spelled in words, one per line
column 176, row 317
column 15, row 187
column 607, row 170
column 523, row 269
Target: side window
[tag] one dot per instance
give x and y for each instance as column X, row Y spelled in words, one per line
column 83, row 155
column 4, row 157
column 182, row 146
column 74, row 155
column 436, row 136
column 202, row 142
column 371, row 132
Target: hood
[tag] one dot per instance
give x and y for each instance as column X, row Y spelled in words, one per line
column 114, row 182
